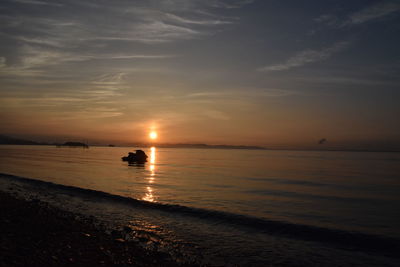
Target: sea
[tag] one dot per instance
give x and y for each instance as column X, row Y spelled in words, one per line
column 226, row 207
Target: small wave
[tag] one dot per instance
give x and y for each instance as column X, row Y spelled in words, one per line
column 351, row 240
column 288, row 181
column 296, row 195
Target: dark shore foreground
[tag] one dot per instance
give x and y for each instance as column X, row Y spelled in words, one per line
column 33, row 233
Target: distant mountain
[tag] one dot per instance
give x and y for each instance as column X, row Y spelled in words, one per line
column 6, row 140
column 75, row 144
column 208, row 146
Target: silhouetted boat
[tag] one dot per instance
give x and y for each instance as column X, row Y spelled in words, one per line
column 138, row 157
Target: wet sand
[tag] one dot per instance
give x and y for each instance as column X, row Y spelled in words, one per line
column 32, row 233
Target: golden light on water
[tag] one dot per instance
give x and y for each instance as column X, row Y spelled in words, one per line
column 152, row 155
column 153, row 135
column 149, row 190
column 149, row 195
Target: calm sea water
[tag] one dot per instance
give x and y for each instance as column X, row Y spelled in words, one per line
column 349, row 191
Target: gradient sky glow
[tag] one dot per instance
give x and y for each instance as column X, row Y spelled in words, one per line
column 266, row 72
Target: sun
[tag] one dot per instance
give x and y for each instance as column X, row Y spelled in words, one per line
column 153, row 135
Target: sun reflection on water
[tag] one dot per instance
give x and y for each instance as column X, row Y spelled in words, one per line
column 149, row 190
column 152, row 155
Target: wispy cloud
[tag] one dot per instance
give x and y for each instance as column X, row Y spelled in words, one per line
column 329, row 19
column 374, row 12
column 84, row 57
column 94, row 97
column 147, row 22
column 241, row 93
column 2, row 62
column 38, row 2
column 55, row 36
column 230, row 4
column 367, row 14
column 216, row 115
column 306, row 57
column 152, row 32
column 186, row 5
column 198, row 22
column 33, row 60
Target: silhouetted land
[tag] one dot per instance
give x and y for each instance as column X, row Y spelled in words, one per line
column 33, row 233
column 208, row 146
column 75, row 144
column 6, row 140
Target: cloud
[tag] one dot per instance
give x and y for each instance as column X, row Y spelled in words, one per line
column 155, row 32
column 259, row 92
column 149, row 22
column 330, row 20
column 2, row 62
column 86, row 98
column 374, row 12
column 247, row 94
column 48, row 30
column 45, row 36
column 83, row 57
column 37, row 2
column 306, row 57
column 216, row 115
column 194, row 21
column 33, row 60
column 30, row 59
column 367, row 14
column 199, row 5
column 230, row 4
column 39, row 41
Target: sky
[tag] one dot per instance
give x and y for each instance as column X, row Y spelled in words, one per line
column 276, row 73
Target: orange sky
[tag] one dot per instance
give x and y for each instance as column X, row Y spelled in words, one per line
column 201, row 72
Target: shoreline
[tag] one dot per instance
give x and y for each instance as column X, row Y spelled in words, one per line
column 222, row 147
column 47, row 224
column 33, row 233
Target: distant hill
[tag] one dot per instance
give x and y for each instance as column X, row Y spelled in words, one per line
column 208, row 146
column 6, row 140
column 74, row 144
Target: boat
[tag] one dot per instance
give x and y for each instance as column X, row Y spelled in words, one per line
column 139, row 156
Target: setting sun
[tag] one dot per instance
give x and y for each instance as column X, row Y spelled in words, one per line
column 153, row 135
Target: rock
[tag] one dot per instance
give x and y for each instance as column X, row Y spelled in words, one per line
column 127, row 229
